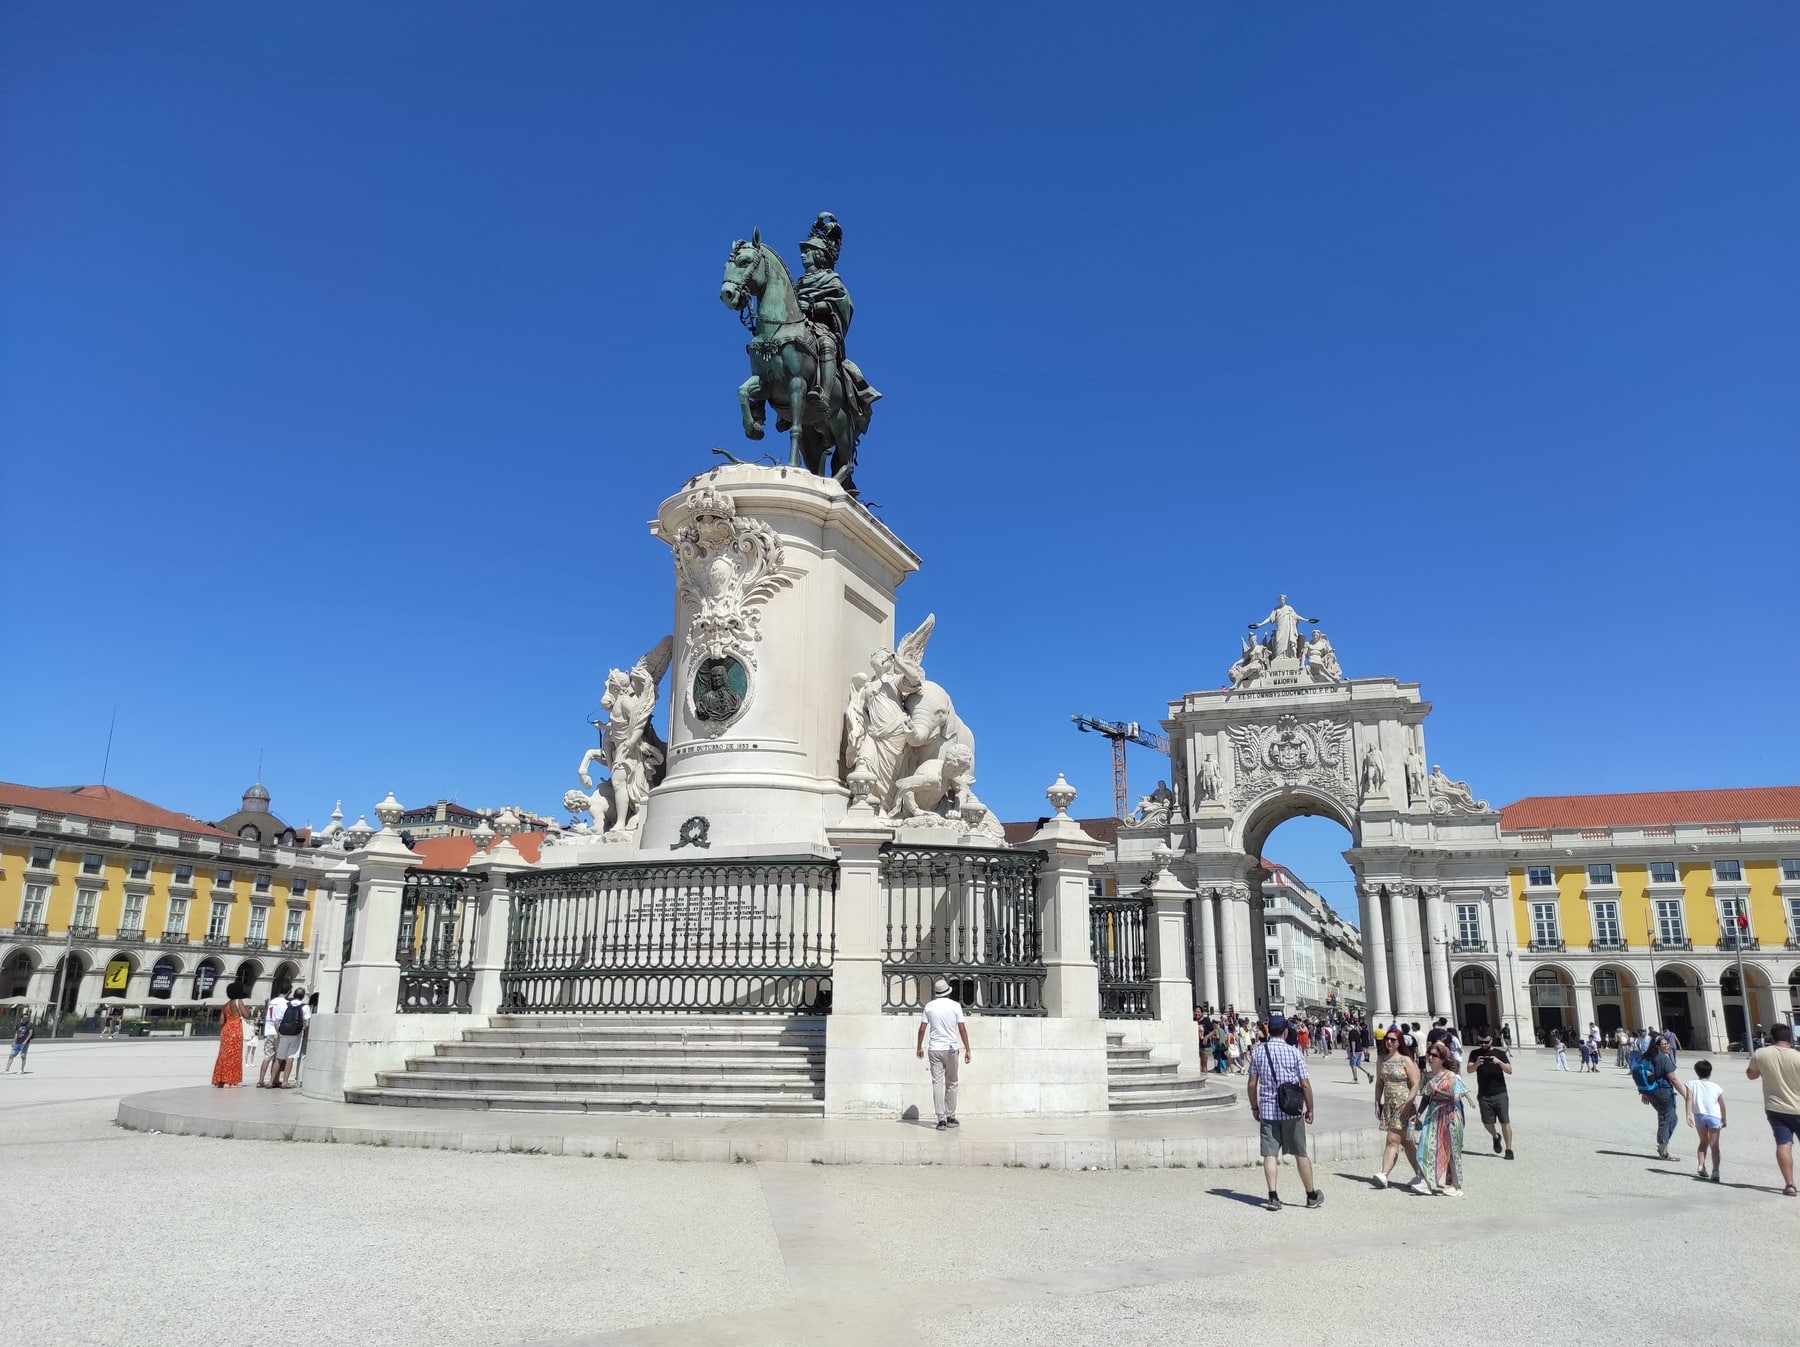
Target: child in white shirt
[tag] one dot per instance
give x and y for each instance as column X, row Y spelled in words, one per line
column 1706, row 1115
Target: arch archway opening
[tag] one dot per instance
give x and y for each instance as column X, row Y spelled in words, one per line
column 15, row 974
column 1552, row 1002
column 1305, row 939
column 1477, row 998
column 1616, row 1000
column 1677, row 1011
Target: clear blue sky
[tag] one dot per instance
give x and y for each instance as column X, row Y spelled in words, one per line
column 345, row 349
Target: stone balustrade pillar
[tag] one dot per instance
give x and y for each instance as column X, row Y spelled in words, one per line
column 496, row 866
column 371, row 976
column 328, row 933
column 1071, row 981
column 1166, row 936
column 857, row 987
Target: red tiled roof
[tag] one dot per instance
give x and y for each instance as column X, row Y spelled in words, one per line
column 455, row 853
column 1100, row 829
column 103, row 802
column 1758, row 804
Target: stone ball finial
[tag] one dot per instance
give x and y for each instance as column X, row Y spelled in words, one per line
column 359, row 833
column 483, row 835
column 389, row 811
column 1061, row 795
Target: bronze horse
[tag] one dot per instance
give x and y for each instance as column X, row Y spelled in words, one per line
column 784, row 366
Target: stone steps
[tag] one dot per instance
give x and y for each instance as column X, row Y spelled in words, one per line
column 703, row 1064
column 1137, row 1083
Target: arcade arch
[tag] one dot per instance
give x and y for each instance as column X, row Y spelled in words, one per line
column 15, row 974
column 1616, row 1001
column 1678, row 1003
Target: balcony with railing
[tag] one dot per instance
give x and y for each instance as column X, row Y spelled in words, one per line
column 30, row 928
column 1551, row 945
column 1603, row 945
column 131, row 932
column 87, row 932
column 218, row 941
column 293, row 946
column 176, row 938
column 256, row 942
column 1733, row 941
column 1664, row 944
column 1475, row 946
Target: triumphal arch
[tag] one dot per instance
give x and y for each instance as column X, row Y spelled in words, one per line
column 1290, row 735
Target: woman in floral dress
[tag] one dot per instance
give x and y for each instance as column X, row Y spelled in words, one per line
column 1441, row 1121
column 228, row 1068
column 1396, row 1081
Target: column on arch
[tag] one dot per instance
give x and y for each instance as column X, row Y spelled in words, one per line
column 1403, row 928
column 1234, row 939
column 1205, row 906
column 1375, row 955
column 1437, row 940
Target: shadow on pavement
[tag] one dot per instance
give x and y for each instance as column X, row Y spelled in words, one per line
column 1235, row 1196
column 1631, row 1155
column 1772, row 1189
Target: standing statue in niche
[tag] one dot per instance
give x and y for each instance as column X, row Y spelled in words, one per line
column 1209, row 779
column 629, row 745
column 1285, row 629
column 1415, row 777
column 1374, row 775
column 904, row 728
column 796, row 351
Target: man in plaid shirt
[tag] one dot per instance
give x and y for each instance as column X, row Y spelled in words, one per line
column 1273, row 1063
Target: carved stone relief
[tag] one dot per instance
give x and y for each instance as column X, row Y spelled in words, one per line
column 1292, row 752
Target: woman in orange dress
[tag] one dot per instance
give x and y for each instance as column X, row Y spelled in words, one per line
column 228, row 1069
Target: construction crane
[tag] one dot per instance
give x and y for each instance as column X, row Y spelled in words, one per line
column 1121, row 733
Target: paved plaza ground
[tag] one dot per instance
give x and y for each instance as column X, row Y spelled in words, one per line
column 121, row 1237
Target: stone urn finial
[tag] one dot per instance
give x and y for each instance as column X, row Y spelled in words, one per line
column 862, row 782
column 1061, row 795
column 389, row 812
column 506, row 823
column 359, row 833
column 483, row 835
column 1162, row 857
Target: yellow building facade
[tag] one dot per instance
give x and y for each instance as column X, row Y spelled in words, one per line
column 109, row 902
column 1679, row 910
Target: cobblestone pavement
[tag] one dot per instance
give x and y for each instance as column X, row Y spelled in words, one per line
column 128, row 1238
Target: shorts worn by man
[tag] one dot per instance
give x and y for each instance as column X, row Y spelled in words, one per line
column 271, row 1032
column 21, row 1046
column 940, row 1026
column 1492, row 1066
column 1273, row 1063
column 1778, row 1068
column 290, row 1029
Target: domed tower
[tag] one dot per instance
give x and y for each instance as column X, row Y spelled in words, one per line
column 256, row 800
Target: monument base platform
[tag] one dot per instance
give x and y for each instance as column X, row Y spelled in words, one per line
column 1217, row 1138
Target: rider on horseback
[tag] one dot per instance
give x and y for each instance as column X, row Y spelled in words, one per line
column 828, row 309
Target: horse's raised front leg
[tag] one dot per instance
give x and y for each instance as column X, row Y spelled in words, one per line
column 797, row 412
column 750, row 399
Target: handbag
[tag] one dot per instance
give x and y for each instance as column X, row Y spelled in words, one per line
column 1289, row 1097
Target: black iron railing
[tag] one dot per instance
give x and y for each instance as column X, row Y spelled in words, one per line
column 693, row 936
column 969, row 916
column 1118, row 935
column 436, row 948
column 1466, row 946
column 1549, row 944
column 1600, row 945
column 30, row 928
column 1730, row 942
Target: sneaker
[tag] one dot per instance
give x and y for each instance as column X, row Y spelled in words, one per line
column 943, row 1126
column 1273, row 1204
column 952, row 1121
column 1450, row 1192
column 1662, row 1152
column 1315, row 1199
column 1496, row 1145
column 1421, row 1186
column 1702, row 1173
column 1715, row 1177
column 1509, row 1152
column 1379, row 1179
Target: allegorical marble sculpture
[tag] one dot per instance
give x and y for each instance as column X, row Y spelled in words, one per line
column 1284, row 654
column 912, row 754
column 1374, row 775
column 629, row 746
column 1452, row 797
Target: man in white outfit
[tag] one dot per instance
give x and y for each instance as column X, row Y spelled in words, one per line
column 940, row 1026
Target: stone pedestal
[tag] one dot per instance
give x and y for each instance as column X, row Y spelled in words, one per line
column 785, row 588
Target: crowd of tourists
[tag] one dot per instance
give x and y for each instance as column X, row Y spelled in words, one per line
column 273, row 1040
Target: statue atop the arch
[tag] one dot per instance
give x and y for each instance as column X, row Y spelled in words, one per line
column 1283, row 657
column 1452, row 797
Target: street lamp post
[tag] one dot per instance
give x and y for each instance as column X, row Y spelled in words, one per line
column 1655, row 991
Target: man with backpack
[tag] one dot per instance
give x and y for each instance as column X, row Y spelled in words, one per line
column 1281, row 1100
column 1653, row 1072
column 288, row 1029
column 268, row 1075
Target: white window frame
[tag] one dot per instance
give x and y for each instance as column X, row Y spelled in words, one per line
column 184, row 875
column 93, row 863
column 297, row 888
column 132, row 917
column 87, row 907
column 139, row 868
column 1793, row 915
column 295, row 921
column 1790, row 870
column 1720, row 877
column 1670, row 915
column 263, row 882
column 42, row 858
column 1605, row 913
column 259, row 923
column 218, row 920
column 1674, row 872
column 1468, row 923
column 33, row 904
column 1533, row 871
column 1607, row 877
column 1730, row 905
column 1275, row 989
column 224, row 879
column 177, row 919
column 1539, row 925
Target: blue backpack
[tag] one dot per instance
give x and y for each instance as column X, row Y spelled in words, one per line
column 1643, row 1072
